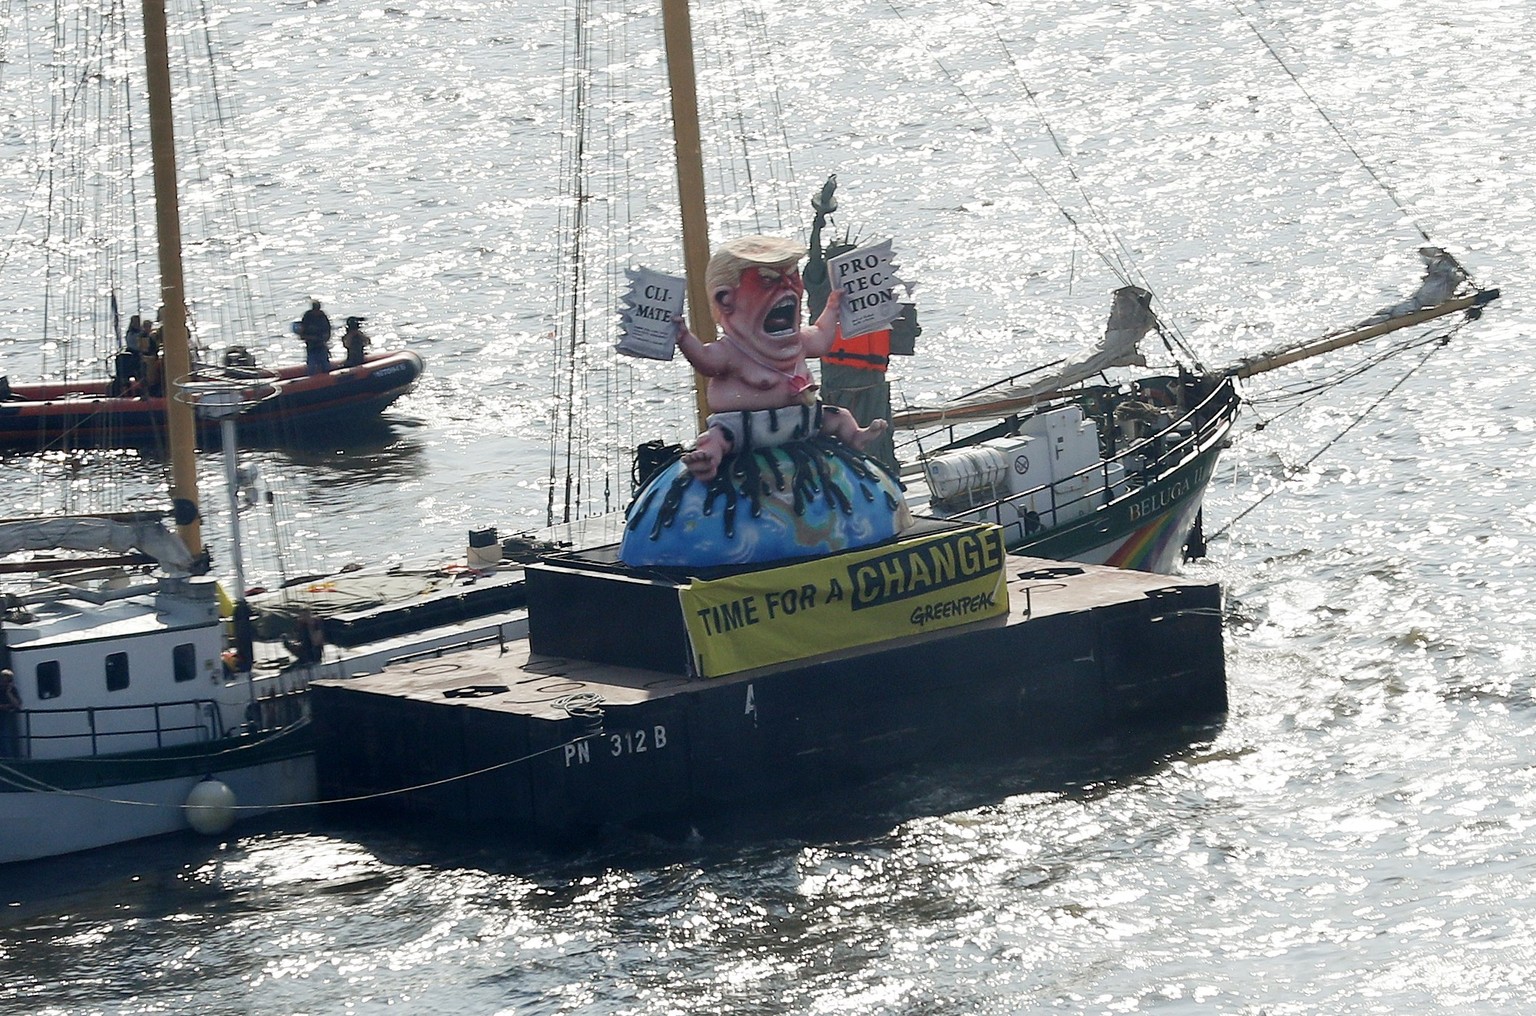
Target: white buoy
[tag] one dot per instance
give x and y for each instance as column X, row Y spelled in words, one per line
column 210, row 807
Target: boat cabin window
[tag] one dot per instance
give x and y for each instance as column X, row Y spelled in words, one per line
column 48, row 685
column 184, row 661
column 117, row 671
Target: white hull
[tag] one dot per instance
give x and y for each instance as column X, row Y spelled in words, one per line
column 38, row 824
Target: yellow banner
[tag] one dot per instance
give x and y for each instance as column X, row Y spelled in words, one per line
column 920, row 584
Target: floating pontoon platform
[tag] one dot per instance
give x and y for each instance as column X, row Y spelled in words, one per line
column 602, row 717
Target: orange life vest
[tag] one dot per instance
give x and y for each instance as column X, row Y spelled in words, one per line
column 870, row 351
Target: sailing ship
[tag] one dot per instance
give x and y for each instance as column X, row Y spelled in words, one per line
column 1095, row 460
column 136, row 717
column 1104, row 459
column 1079, row 465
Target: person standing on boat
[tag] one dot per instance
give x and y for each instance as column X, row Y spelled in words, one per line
column 149, row 356
column 10, row 714
column 315, row 333
column 136, row 338
column 128, row 363
column 355, row 341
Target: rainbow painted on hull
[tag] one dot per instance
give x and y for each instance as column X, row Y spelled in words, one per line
column 1157, row 546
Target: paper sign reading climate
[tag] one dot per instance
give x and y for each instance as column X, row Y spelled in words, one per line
column 649, row 314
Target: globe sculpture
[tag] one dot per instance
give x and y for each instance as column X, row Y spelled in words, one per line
column 798, row 500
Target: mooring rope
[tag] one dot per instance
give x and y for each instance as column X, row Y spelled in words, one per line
column 445, row 781
column 1436, row 345
column 28, row 784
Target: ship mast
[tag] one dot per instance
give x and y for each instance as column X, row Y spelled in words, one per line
column 677, row 31
column 177, row 360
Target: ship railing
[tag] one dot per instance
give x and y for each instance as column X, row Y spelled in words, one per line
column 280, row 707
column 1140, row 464
column 500, row 637
column 111, row 730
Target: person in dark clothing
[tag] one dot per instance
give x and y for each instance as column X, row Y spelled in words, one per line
column 125, row 372
column 307, row 641
column 315, row 333
column 128, row 363
column 10, row 715
column 355, row 341
column 150, row 362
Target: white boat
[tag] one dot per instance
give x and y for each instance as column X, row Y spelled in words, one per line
column 133, row 723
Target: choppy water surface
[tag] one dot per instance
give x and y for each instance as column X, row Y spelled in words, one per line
column 1354, row 839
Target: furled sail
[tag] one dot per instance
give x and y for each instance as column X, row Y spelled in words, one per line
column 1442, row 277
column 85, row 532
column 1130, row 318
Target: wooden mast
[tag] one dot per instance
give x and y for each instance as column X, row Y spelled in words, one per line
column 678, row 34
column 176, row 358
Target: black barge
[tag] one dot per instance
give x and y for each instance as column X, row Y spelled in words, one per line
column 605, row 715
